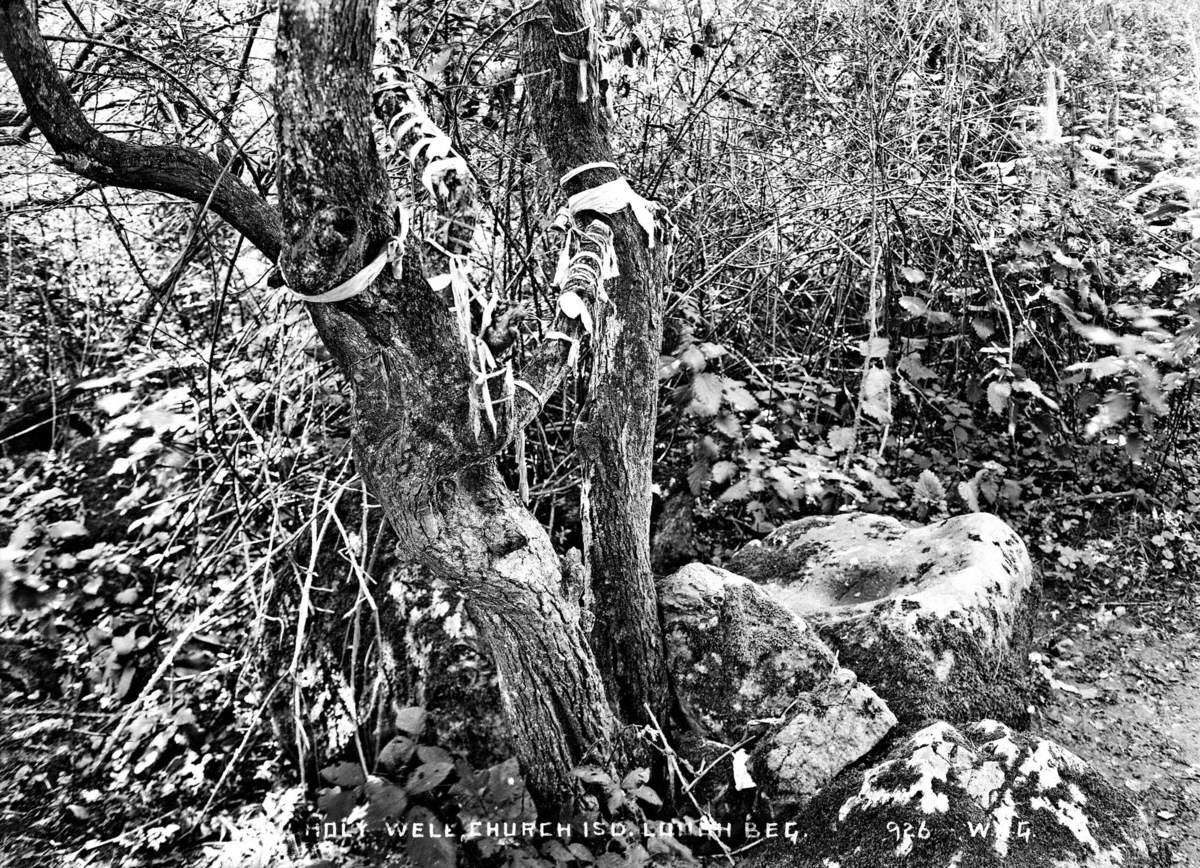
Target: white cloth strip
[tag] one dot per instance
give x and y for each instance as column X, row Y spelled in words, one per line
column 585, row 167
column 393, row 251
column 613, row 197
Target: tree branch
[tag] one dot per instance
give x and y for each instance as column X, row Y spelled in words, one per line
column 84, row 150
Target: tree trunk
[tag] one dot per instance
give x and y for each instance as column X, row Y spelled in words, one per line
column 615, row 437
column 397, row 346
column 406, row 367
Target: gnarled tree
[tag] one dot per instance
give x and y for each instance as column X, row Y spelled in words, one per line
column 410, row 363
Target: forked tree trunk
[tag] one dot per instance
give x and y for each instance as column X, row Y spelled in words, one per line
column 398, row 348
column 406, row 368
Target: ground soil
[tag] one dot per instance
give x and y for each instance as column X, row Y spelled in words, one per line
column 1125, row 696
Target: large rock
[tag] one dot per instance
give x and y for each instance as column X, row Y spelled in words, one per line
column 983, row 796
column 744, row 667
column 937, row 619
column 827, row 730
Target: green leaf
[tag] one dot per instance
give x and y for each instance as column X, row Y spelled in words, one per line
column 648, row 796
column 65, row 529
column 385, row 801
column 411, row 720
column 876, row 395
column 841, row 439
column 723, row 471
column 969, row 492
column 998, row 394
column 592, row 775
column 737, row 396
column 397, row 752
column 557, row 851
column 929, row 488
column 434, row 848
column 635, row 779
column 427, row 753
column 336, row 805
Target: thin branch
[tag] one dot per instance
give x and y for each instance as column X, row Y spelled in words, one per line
column 83, row 149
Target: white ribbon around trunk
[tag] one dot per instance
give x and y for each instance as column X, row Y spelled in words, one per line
column 611, row 198
column 392, row 252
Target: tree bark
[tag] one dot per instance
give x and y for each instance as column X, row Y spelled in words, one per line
column 398, row 347
column 615, row 436
column 86, row 151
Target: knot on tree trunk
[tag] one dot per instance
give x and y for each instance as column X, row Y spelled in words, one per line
column 328, row 249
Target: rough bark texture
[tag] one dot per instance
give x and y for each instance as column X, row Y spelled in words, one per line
column 398, row 348
column 615, row 437
column 396, row 345
column 88, row 152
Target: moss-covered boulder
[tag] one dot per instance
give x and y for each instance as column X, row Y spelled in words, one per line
column 981, row 796
column 937, row 618
column 749, row 673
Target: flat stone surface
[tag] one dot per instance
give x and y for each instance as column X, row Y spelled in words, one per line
column 935, row 618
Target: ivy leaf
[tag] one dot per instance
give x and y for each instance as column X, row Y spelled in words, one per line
column 385, row 801
column 336, row 805
column 344, row 774
column 427, row 776
column 397, row 752
column 427, row 753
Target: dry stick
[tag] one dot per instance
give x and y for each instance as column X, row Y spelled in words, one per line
column 237, row 754
column 184, row 636
column 676, row 771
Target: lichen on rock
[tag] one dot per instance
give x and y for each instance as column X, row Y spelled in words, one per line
column 980, row 796
column 750, row 675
